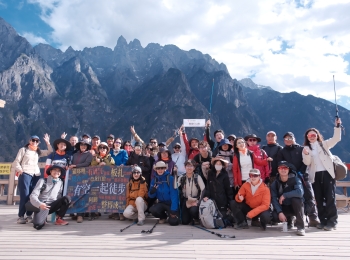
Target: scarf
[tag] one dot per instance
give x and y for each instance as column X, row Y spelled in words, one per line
column 61, row 152
column 244, row 151
column 165, row 158
column 33, row 147
column 103, row 154
column 94, row 148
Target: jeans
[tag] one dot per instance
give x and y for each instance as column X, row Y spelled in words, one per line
column 295, row 209
column 241, row 209
column 26, row 184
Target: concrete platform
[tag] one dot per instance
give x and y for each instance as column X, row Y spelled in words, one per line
column 102, row 239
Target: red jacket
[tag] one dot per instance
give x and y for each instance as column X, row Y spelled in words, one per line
column 261, row 154
column 191, row 153
column 236, row 168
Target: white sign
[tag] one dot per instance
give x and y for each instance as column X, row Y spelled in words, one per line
column 2, row 103
column 194, row 122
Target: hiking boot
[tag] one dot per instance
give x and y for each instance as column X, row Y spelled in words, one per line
column 330, row 228
column 162, row 221
column 121, row 217
column 80, row 219
column 320, row 226
column 314, row 222
column 21, row 220
column 140, row 223
column 61, row 222
column 290, row 222
column 255, row 223
column 243, row 225
column 29, row 219
column 301, row 232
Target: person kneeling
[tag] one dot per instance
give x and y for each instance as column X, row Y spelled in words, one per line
column 162, row 188
column 136, row 197
column 252, row 200
column 287, row 197
column 47, row 196
column 191, row 187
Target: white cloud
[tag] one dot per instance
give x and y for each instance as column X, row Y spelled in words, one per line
column 250, row 36
column 3, row 5
column 33, row 39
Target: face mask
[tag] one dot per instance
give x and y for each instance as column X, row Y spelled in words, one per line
column 218, row 167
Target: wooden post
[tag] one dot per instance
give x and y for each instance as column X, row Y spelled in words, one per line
column 11, row 187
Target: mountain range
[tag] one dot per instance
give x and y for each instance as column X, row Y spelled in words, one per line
column 101, row 91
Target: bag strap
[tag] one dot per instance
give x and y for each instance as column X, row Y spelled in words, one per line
column 324, row 150
column 43, row 187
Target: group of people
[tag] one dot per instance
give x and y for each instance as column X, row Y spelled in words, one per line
column 268, row 184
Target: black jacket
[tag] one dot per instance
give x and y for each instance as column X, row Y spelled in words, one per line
column 141, row 161
column 293, row 155
column 272, row 151
column 218, row 189
column 211, row 142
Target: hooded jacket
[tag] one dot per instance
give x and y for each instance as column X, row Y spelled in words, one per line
column 293, row 189
column 191, row 152
column 293, row 155
column 218, row 189
column 135, row 189
column 82, row 159
column 141, row 161
column 166, row 193
column 260, row 154
column 51, row 193
column 259, row 202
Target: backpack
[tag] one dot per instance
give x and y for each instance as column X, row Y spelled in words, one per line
column 209, row 215
column 195, row 179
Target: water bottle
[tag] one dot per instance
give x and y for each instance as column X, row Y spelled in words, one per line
column 285, row 227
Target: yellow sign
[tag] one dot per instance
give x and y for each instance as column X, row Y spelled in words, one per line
column 5, row 168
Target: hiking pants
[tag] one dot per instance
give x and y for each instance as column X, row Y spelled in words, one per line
column 295, row 209
column 241, row 209
column 309, row 199
column 136, row 213
column 59, row 206
column 324, row 188
column 162, row 210
column 26, row 184
column 188, row 214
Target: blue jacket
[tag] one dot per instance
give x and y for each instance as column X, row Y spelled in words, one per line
column 166, row 193
column 120, row 158
column 293, row 189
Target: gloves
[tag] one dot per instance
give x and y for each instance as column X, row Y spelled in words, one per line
column 153, row 190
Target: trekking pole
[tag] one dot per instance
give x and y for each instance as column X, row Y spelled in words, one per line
column 128, row 226
column 150, row 230
column 214, row 233
column 336, row 107
column 211, row 98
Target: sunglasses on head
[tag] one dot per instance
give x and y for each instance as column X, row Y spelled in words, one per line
column 252, row 140
column 35, row 141
column 136, row 172
column 103, row 147
column 283, row 168
column 252, row 175
column 311, row 135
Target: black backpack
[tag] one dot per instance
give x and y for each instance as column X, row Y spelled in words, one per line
column 195, row 179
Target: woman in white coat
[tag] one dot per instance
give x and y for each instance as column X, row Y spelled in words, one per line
column 317, row 158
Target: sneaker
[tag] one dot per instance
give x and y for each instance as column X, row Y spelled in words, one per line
column 314, row 222
column 263, row 226
column 291, row 221
column 115, row 216
column 121, row 217
column 301, row 232
column 29, row 219
column 80, row 219
column 243, row 225
column 320, row 226
column 330, row 228
column 140, row 223
column 162, row 221
column 61, row 222
column 255, row 223
column 21, row 220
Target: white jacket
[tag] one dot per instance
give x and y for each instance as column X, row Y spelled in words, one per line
column 180, row 158
column 325, row 159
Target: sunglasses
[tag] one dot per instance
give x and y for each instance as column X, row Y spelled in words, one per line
column 288, row 139
column 231, row 139
column 160, row 168
column 252, row 140
column 311, row 135
column 117, row 142
column 177, row 147
column 254, row 175
column 103, row 147
column 283, row 168
column 153, row 142
column 136, row 173
column 35, row 141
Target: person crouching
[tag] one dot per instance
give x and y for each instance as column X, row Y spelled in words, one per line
column 136, row 197
column 47, row 197
column 252, row 200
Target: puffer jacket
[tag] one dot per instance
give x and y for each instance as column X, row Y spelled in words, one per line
column 135, row 189
column 259, row 202
column 107, row 159
column 51, row 193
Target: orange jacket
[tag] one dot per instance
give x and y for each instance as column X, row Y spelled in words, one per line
column 138, row 189
column 259, row 202
column 236, row 169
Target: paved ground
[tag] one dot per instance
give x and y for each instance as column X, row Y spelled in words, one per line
column 102, row 239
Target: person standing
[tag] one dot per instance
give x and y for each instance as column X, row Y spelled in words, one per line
column 26, row 165
column 317, row 158
column 272, row 149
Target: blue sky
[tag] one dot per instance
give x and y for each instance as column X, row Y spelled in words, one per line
column 290, row 45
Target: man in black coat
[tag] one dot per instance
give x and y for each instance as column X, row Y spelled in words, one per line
column 136, row 158
column 292, row 153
